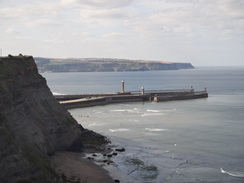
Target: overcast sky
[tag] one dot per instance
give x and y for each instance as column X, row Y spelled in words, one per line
column 203, row 32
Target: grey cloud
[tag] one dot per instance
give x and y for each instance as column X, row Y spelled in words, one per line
column 44, row 22
column 11, row 30
column 104, row 3
column 103, row 14
column 234, row 8
column 120, row 24
column 36, row 13
column 199, row 18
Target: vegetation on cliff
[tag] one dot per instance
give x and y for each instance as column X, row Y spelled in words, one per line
column 105, row 65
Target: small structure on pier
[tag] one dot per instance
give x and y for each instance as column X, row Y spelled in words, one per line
column 123, row 86
column 142, row 90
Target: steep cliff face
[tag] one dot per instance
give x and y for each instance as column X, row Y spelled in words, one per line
column 32, row 123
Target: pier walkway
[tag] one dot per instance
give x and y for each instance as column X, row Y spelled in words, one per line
column 86, row 100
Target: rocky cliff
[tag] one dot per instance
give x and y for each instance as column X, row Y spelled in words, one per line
column 33, row 124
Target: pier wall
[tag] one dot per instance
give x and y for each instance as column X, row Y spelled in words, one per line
column 180, row 96
column 87, row 100
column 81, row 96
column 94, row 101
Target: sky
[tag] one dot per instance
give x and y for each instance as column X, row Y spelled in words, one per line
column 202, row 32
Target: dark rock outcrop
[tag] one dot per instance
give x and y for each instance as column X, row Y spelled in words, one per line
column 33, row 124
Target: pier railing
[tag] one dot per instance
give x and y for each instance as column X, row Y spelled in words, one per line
column 161, row 91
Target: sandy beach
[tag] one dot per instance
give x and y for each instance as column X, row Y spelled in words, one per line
column 72, row 167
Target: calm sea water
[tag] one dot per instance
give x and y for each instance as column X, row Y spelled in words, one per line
column 199, row 140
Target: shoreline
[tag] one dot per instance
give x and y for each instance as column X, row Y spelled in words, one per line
column 73, row 167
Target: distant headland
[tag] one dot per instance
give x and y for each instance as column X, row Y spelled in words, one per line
column 105, row 65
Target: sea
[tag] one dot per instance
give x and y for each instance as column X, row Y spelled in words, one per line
column 187, row 141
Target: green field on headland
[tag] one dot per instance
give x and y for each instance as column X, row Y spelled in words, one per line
column 105, row 65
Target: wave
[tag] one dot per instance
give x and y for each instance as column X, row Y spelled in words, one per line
column 234, row 174
column 153, row 114
column 55, row 93
column 124, row 110
column 156, row 129
column 168, row 151
column 166, row 110
column 118, row 110
column 119, row 130
column 132, row 111
column 153, row 110
column 96, row 124
column 93, row 124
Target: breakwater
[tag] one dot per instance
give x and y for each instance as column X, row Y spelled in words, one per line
column 87, row 100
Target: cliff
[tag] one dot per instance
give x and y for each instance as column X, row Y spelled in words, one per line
column 105, row 65
column 33, row 124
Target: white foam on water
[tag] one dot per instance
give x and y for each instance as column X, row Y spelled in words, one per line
column 156, row 129
column 171, row 110
column 119, row 130
column 168, row 151
column 93, row 124
column 153, row 114
column 96, row 124
column 118, row 110
column 234, row 174
column 163, row 110
column 131, row 110
column 125, row 110
column 153, row 110
column 133, row 120
column 55, row 93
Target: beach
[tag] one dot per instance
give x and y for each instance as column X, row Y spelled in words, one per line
column 75, row 168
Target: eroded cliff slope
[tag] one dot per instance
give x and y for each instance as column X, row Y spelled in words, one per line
column 33, row 124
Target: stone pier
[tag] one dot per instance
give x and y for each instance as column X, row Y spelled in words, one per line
column 86, row 100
